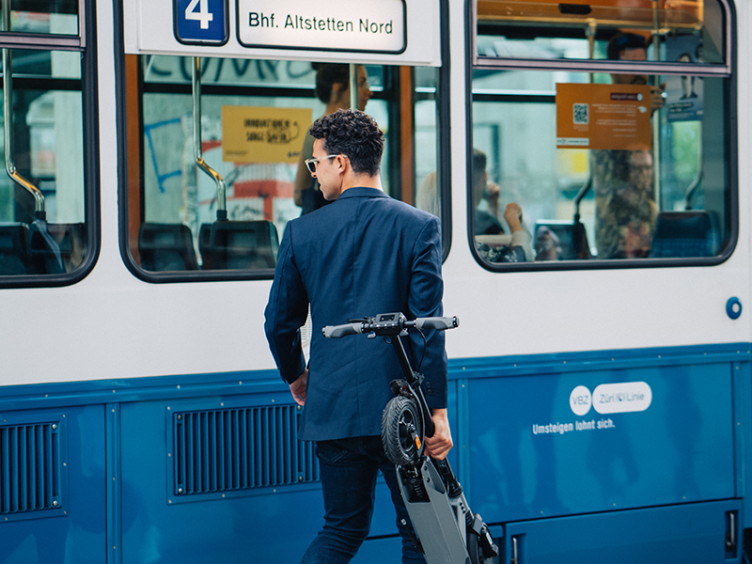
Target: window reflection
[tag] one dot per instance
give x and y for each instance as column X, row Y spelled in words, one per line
column 537, row 29
column 613, row 200
column 42, row 229
column 271, row 104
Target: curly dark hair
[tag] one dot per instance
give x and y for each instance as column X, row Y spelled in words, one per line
column 354, row 134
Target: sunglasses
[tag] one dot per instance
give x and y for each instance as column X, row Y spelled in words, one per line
column 311, row 163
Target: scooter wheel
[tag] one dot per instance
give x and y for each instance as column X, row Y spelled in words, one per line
column 475, row 547
column 401, row 425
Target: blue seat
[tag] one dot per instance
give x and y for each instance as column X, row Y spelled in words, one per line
column 71, row 240
column 166, row 247
column 14, row 248
column 685, row 234
column 238, row 245
column 56, row 248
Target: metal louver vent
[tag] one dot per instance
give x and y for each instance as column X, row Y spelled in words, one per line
column 30, row 468
column 239, row 449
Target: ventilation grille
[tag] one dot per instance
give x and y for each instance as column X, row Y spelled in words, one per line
column 240, row 449
column 30, row 468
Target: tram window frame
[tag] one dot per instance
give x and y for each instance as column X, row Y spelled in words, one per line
column 725, row 71
column 83, row 43
column 132, row 211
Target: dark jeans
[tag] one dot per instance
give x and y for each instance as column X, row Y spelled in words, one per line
column 348, row 477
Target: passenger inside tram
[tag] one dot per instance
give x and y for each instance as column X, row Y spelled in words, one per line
column 332, row 88
column 427, row 198
column 625, row 208
column 490, row 238
column 547, row 244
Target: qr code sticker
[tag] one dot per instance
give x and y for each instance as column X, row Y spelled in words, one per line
column 581, row 114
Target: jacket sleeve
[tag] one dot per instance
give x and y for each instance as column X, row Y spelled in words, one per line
column 286, row 312
column 425, row 300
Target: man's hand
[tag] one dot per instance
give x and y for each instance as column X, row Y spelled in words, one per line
column 441, row 443
column 657, row 100
column 298, row 388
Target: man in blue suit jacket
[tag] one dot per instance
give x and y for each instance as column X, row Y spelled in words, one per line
column 364, row 254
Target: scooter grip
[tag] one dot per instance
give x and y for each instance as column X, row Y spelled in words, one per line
column 338, row 331
column 438, row 323
column 430, row 427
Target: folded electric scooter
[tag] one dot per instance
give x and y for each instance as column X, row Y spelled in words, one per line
column 446, row 530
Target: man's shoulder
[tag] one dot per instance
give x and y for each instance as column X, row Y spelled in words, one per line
column 409, row 211
column 379, row 202
column 406, row 218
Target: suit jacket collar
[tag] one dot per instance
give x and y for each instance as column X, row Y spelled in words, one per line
column 360, row 192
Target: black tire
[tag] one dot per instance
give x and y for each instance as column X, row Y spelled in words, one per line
column 475, row 550
column 400, row 423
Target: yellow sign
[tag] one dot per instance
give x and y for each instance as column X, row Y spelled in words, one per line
column 603, row 116
column 263, row 135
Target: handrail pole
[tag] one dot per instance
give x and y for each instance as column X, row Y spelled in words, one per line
column 656, row 116
column 580, row 195
column 353, row 86
column 10, row 166
column 197, row 151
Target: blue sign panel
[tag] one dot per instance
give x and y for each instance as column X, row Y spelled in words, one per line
column 201, row 21
column 601, row 440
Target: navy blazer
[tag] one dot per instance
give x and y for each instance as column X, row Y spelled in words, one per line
column 364, row 254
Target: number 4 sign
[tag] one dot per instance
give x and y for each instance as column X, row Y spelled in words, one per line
column 199, row 22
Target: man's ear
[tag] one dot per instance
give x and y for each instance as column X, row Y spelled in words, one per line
column 343, row 164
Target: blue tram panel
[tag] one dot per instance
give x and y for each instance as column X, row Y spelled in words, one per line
column 602, row 440
column 201, row 22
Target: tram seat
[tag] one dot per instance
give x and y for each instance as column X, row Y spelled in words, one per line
column 572, row 236
column 14, row 248
column 166, row 246
column 685, row 234
column 238, row 245
column 56, row 248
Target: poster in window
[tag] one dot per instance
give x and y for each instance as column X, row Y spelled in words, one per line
column 603, row 116
column 263, row 134
column 684, row 94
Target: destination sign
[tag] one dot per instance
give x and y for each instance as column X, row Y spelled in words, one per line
column 377, row 32
column 343, row 25
column 201, row 21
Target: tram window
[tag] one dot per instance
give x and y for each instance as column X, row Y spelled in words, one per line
column 254, row 119
column 618, row 163
column 42, row 17
column 538, row 29
column 45, row 231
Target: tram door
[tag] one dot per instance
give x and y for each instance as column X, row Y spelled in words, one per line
column 216, row 139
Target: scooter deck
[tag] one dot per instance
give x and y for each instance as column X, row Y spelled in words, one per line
column 438, row 523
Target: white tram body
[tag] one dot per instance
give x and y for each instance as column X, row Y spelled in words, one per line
column 106, row 363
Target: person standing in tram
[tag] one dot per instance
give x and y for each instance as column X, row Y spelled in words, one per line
column 625, row 208
column 364, row 254
column 333, row 89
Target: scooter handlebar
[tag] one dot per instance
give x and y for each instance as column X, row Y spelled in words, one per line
column 389, row 324
column 437, row 323
column 338, row 331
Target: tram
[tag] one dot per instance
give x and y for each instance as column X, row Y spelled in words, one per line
column 600, row 381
